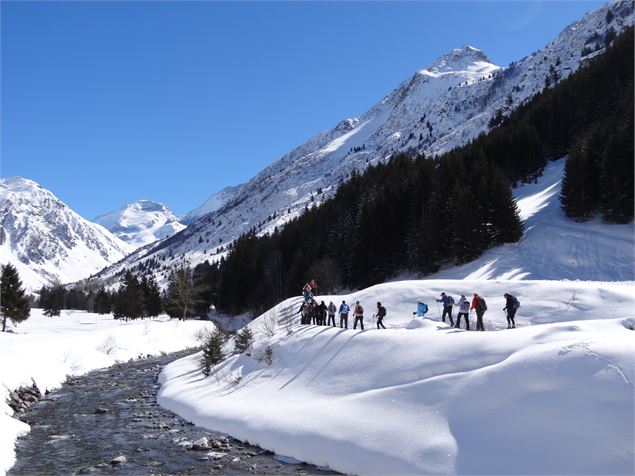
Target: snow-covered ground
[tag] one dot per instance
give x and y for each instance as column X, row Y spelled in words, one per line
column 421, row 397
column 554, row 395
column 48, row 349
column 554, row 247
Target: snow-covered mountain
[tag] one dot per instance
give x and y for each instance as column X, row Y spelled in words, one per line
column 440, row 107
column 46, row 240
column 212, row 204
column 141, row 223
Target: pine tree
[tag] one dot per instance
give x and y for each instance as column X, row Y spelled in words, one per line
column 128, row 302
column 213, row 350
column 181, row 296
column 151, row 296
column 13, row 302
column 102, row 302
column 243, row 340
column 55, row 302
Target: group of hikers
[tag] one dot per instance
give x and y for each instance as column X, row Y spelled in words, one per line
column 313, row 313
column 480, row 306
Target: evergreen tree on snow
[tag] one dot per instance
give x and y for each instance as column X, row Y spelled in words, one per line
column 13, row 301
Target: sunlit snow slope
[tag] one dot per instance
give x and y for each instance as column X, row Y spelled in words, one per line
column 554, row 246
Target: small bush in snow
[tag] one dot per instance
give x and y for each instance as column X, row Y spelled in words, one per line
column 269, row 355
column 213, row 350
column 269, row 324
column 244, row 340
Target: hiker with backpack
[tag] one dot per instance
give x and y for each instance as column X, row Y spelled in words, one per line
column 422, row 309
column 479, row 304
column 344, row 310
column 381, row 313
column 448, row 302
column 322, row 314
column 331, row 311
column 358, row 314
column 464, row 311
column 304, row 312
column 511, row 306
column 306, row 292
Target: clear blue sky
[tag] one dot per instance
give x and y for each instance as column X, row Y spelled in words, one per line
column 106, row 103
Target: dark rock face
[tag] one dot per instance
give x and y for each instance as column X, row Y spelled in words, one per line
column 108, row 422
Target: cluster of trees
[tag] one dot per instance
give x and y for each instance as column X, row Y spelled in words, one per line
column 599, row 171
column 587, row 116
column 409, row 213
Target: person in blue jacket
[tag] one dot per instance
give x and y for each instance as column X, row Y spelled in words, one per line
column 422, row 308
column 448, row 302
column 344, row 310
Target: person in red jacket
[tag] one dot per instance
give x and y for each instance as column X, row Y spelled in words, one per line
column 478, row 303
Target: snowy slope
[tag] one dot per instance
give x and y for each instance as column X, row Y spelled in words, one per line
column 46, row 240
column 421, row 397
column 73, row 344
column 141, row 223
column 212, row 204
column 553, row 246
column 440, row 107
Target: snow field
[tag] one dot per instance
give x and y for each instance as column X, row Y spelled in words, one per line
column 552, row 396
column 48, row 349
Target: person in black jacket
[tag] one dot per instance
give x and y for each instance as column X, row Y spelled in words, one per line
column 511, row 307
column 381, row 313
column 321, row 314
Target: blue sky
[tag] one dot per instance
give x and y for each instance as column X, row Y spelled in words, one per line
column 106, row 103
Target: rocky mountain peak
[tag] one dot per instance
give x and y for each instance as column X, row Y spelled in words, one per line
column 459, row 59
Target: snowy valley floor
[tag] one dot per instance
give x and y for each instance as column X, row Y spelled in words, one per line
column 554, row 395
column 47, row 349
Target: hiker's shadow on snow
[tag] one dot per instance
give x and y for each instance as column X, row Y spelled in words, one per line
column 311, row 362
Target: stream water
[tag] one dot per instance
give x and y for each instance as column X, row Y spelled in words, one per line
column 91, row 422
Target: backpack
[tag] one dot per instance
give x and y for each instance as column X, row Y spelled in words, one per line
column 381, row 312
column 359, row 310
column 516, row 303
column 345, row 308
column 464, row 306
column 450, row 301
column 482, row 305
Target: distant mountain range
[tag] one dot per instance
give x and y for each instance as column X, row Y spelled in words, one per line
column 453, row 100
column 448, row 103
column 141, row 223
column 47, row 241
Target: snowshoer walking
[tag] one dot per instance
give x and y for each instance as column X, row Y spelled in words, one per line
column 480, row 305
column 306, row 292
column 422, row 309
column 304, row 312
column 464, row 310
column 381, row 313
column 448, row 302
column 314, row 287
column 511, row 306
column 358, row 314
column 331, row 311
column 344, row 310
column 322, row 314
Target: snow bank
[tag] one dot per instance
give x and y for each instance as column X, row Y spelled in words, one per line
column 421, row 397
column 48, row 349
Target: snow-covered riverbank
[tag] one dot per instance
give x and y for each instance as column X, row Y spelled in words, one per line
column 48, row 349
column 554, row 395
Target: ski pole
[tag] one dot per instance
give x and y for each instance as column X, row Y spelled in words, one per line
column 439, row 310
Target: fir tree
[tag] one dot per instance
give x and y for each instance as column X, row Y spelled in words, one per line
column 213, row 350
column 13, row 302
column 54, row 302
